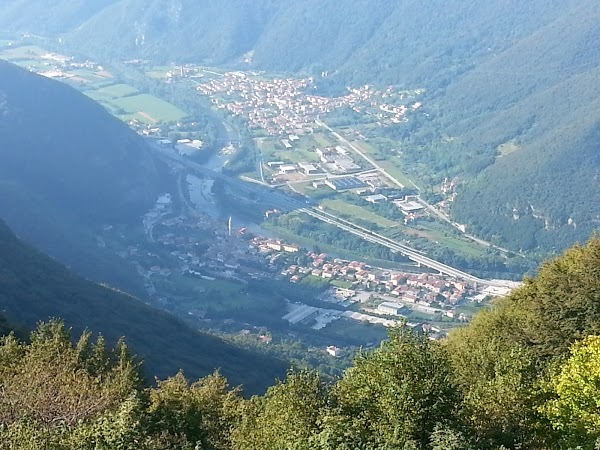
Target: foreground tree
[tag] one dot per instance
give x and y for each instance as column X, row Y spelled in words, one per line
column 575, row 387
column 500, row 359
column 562, row 304
column 198, row 415
column 287, row 417
column 394, row 397
column 498, row 381
column 56, row 395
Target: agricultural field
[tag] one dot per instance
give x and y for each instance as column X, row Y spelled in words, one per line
column 303, row 188
column 91, row 78
column 34, row 65
column 390, row 163
column 112, row 92
column 159, row 72
column 147, row 108
column 219, row 297
column 434, row 232
column 353, row 211
column 324, row 140
column 26, row 52
column 302, row 151
column 122, row 100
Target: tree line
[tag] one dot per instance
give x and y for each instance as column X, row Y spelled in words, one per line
column 523, row 374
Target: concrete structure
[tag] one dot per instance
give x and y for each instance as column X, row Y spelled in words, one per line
column 291, row 248
column 288, row 168
column 188, row 146
column 390, row 308
column 346, row 165
column 408, row 206
column 344, row 183
column 308, row 169
column 301, row 313
column 274, row 245
column 335, row 351
column 377, row 198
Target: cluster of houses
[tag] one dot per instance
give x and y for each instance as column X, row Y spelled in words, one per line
column 64, row 67
column 281, row 106
column 419, row 289
column 219, row 256
column 277, row 106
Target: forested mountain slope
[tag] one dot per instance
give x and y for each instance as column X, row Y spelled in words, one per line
column 58, row 142
column 66, row 167
column 47, row 16
column 33, row 287
column 360, row 41
column 541, row 96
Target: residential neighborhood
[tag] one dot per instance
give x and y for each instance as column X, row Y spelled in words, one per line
column 205, row 249
column 285, row 106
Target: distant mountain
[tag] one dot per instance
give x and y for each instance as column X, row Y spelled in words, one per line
column 33, row 287
column 66, row 168
column 512, row 87
column 58, row 15
column 539, row 99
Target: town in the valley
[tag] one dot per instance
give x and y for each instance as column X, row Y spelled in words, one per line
column 209, row 251
column 199, row 264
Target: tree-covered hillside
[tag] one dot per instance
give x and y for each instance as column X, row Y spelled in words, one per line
column 58, row 142
column 47, row 16
column 68, row 167
column 33, row 288
column 524, row 374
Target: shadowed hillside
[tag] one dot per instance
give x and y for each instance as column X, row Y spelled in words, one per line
column 66, row 168
column 33, row 287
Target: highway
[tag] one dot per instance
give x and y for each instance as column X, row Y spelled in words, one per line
column 410, row 253
column 288, row 203
column 429, row 207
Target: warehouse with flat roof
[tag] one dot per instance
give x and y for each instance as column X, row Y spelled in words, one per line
column 344, row 183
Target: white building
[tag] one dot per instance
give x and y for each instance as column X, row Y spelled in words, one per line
column 377, row 198
column 390, row 308
column 335, row 351
column 288, row 168
column 308, row 169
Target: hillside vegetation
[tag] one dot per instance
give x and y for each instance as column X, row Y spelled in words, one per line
column 67, row 167
column 523, row 375
column 58, row 16
column 33, row 288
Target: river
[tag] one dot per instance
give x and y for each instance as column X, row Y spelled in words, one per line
column 200, row 190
